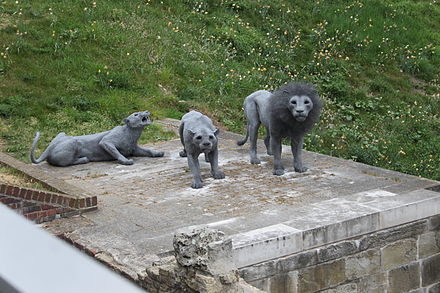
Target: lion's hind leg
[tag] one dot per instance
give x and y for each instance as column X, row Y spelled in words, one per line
column 62, row 153
column 82, row 160
column 267, row 143
column 253, row 134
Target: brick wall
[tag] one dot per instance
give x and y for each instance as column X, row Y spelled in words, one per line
column 404, row 258
column 41, row 206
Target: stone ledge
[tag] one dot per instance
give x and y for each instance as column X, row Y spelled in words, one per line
column 41, row 176
column 334, row 220
column 67, row 196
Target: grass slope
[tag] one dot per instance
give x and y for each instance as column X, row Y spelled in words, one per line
column 82, row 66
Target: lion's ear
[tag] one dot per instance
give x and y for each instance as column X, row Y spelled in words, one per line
column 216, row 132
column 125, row 121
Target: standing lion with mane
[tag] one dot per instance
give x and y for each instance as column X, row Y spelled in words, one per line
column 291, row 111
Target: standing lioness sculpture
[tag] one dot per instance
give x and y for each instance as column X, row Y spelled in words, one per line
column 116, row 144
column 198, row 135
column 291, row 111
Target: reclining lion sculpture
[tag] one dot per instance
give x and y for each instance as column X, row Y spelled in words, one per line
column 116, row 144
column 291, row 112
column 198, row 135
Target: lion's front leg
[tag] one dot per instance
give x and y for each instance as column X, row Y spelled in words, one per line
column 144, row 152
column 113, row 151
column 275, row 145
column 296, row 146
column 193, row 164
column 213, row 160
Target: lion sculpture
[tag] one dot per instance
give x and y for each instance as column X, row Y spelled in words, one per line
column 198, row 135
column 291, row 111
column 116, row 144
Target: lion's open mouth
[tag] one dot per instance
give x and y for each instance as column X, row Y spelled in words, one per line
column 144, row 119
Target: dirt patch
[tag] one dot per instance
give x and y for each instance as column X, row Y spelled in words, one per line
column 11, row 176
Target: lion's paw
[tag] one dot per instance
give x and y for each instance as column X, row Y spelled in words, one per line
column 255, row 161
column 218, row 175
column 197, row 185
column 158, row 154
column 301, row 169
column 182, row 154
column 278, row 172
column 127, row 162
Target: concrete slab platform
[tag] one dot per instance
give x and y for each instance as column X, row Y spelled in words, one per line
column 141, row 206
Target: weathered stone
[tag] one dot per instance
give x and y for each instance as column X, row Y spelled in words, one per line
column 204, row 262
column 429, row 244
column 362, row 264
column 431, row 270
column 337, row 250
column 191, row 245
column 434, row 288
column 372, row 283
column 262, row 284
column 387, row 236
column 347, row 288
column 297, row 261
column 434, row 223
column 321, row 277
column 404, row 278
column 399, row 253
column 278, row 283
column 292, row 282
column 256, row 272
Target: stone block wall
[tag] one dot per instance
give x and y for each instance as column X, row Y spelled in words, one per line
column 403, row 258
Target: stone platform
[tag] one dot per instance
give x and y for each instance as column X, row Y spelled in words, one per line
column 141, row 206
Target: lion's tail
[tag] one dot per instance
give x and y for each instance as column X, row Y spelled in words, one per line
column 34, row 145
column 243, row 141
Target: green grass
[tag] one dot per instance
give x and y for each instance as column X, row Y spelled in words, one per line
column 82, row 66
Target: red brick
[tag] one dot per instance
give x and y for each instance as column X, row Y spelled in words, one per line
column 2, row 188
column 94, row 201
column 60, row 200
column 32, row 216
column 35, row 195
column 31, row 209
column 48, row 197
column 42, row 196
column 28, row 194
column 42, row 214
column 88, row 202
column 22, row 192
column 51, row 212
column 9, row 190
column 54, row 198
column 82, row 203
column 73, row 202
column 16, row 191
column 66, row 201
column 14, row 205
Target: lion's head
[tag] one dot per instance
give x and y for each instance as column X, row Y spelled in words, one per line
column 301, row 100
column 138, row 119
column 204, row 138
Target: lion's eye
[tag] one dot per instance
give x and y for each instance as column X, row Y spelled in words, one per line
column 211, row 137
column 293, row 102
column 199, row 137
column 136, row 114
column 306, row 102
